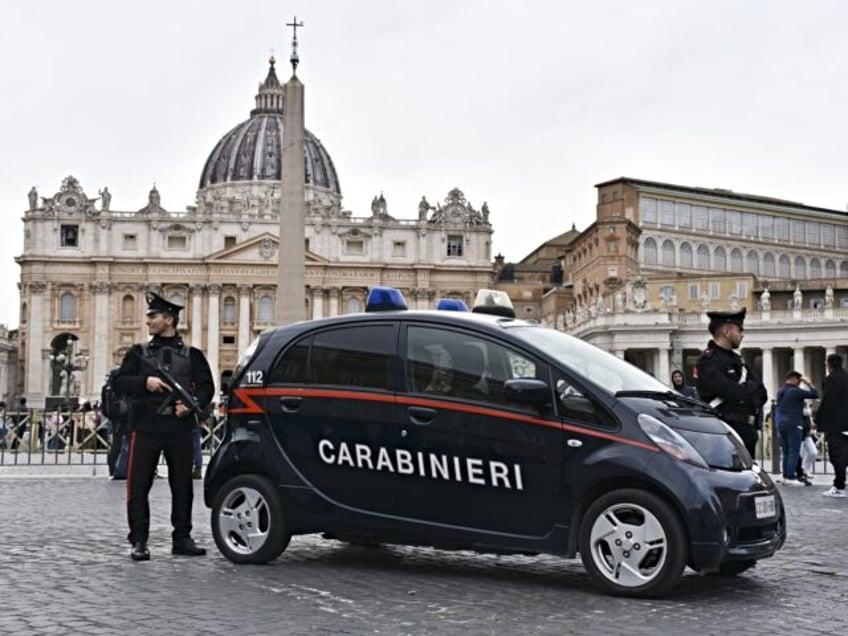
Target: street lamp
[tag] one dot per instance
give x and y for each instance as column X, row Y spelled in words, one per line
column 68, row 361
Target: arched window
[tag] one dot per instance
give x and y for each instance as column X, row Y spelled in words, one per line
column 685, row 255
column 785, row 267
column 768, row 264
column 815, row 268
column 736, row 260
column 177, row 299
column 668, row 252
column 650, row 248
column 266, row 308
column 800, row 267
column 229, row 311
column 843, row 269
column 719, row 260
column 753, row 262
column 128, row 309
column 353, row 305
column 829, row 269
column 67, row 307
column 703, row 257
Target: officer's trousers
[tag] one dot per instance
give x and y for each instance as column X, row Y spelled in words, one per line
column 145, row 449
column 748, row 434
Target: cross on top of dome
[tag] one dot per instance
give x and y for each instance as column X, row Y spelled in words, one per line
column 295, row 59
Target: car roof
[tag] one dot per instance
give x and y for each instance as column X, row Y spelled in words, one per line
column 489, row 322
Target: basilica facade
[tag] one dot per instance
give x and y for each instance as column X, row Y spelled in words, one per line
column 85, row 267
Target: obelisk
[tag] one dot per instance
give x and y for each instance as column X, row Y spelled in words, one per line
column 291, row 276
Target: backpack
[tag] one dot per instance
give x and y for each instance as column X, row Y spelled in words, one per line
column 113, row 405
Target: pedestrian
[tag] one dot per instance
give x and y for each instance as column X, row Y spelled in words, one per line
column 162, row 422
column 678, row 383
column 726, row 382
column 832, row 420
column 21, row 420
column 197, row 439
column 790, row 414
column 809, row 452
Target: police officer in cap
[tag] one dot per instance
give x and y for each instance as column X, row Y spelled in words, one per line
column 162, row 423
column 726, row 383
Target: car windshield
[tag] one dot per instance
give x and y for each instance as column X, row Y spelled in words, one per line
column 604, row 369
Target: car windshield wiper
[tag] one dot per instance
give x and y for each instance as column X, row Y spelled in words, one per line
column 663, row 395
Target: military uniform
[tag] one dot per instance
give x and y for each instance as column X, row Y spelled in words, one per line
column 156, row 430
column 729, row 385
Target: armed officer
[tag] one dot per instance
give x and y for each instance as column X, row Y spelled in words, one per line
column 726, row 382
column 161, row 421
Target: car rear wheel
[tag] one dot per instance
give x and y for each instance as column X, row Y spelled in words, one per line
column 632, row 543
column 247, row 520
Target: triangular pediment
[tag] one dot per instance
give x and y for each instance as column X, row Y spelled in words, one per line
column 259, row 249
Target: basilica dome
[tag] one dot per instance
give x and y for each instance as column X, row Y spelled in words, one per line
column 252, row 150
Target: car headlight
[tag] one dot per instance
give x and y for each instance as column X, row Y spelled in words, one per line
column 669, row 441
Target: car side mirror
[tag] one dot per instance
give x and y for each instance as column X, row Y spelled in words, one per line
column 527, row 391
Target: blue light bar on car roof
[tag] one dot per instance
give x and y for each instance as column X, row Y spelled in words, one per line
column 451, row 304
column 493, row 301
column 384, row 299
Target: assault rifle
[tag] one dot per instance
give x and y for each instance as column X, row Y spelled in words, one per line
column 178, row 392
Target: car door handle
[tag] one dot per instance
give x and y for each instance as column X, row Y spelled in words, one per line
column 291, row 404
column 420, row 415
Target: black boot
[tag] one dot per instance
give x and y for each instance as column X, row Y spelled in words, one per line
column 140, row 552
column 187, row 547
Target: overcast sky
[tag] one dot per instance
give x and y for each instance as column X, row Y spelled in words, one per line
column 525, row 105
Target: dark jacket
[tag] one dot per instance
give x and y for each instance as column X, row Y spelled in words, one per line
column 790, row 404
column 832, row 415
column 685, row 389
column 132, row 379
column 718, row 372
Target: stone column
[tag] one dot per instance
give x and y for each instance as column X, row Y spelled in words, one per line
column 100, row 359
column 197, row 316
column 213, row 332
column 663, row 371
column 317, row 302
column 34, row 381
column 334, row 300
column 798, row 360
column 244, row 317
column 769, row 375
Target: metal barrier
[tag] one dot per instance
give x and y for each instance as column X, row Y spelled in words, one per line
column 54, row 438
column 38, row 437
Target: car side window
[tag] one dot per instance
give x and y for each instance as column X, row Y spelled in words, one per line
column 572, row 403
column 461, row 365
column 352, row 356
column 290, row 368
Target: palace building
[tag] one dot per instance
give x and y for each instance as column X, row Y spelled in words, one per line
column 639, row 280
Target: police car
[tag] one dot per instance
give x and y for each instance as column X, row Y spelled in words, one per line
column 474, row 430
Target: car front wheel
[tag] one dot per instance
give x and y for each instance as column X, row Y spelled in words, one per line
column 632, row 543
column 247, row 520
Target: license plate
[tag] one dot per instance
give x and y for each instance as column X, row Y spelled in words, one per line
column 764, row 507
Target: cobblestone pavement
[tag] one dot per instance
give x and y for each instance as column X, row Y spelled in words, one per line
column 65, row 569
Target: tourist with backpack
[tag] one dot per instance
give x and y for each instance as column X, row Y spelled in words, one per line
column 115, row 408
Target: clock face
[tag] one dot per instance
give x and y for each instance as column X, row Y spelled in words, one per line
column 70, row 201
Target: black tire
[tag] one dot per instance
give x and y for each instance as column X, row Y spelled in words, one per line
column 734, row 568
column 632, row 543
column 248, row 523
